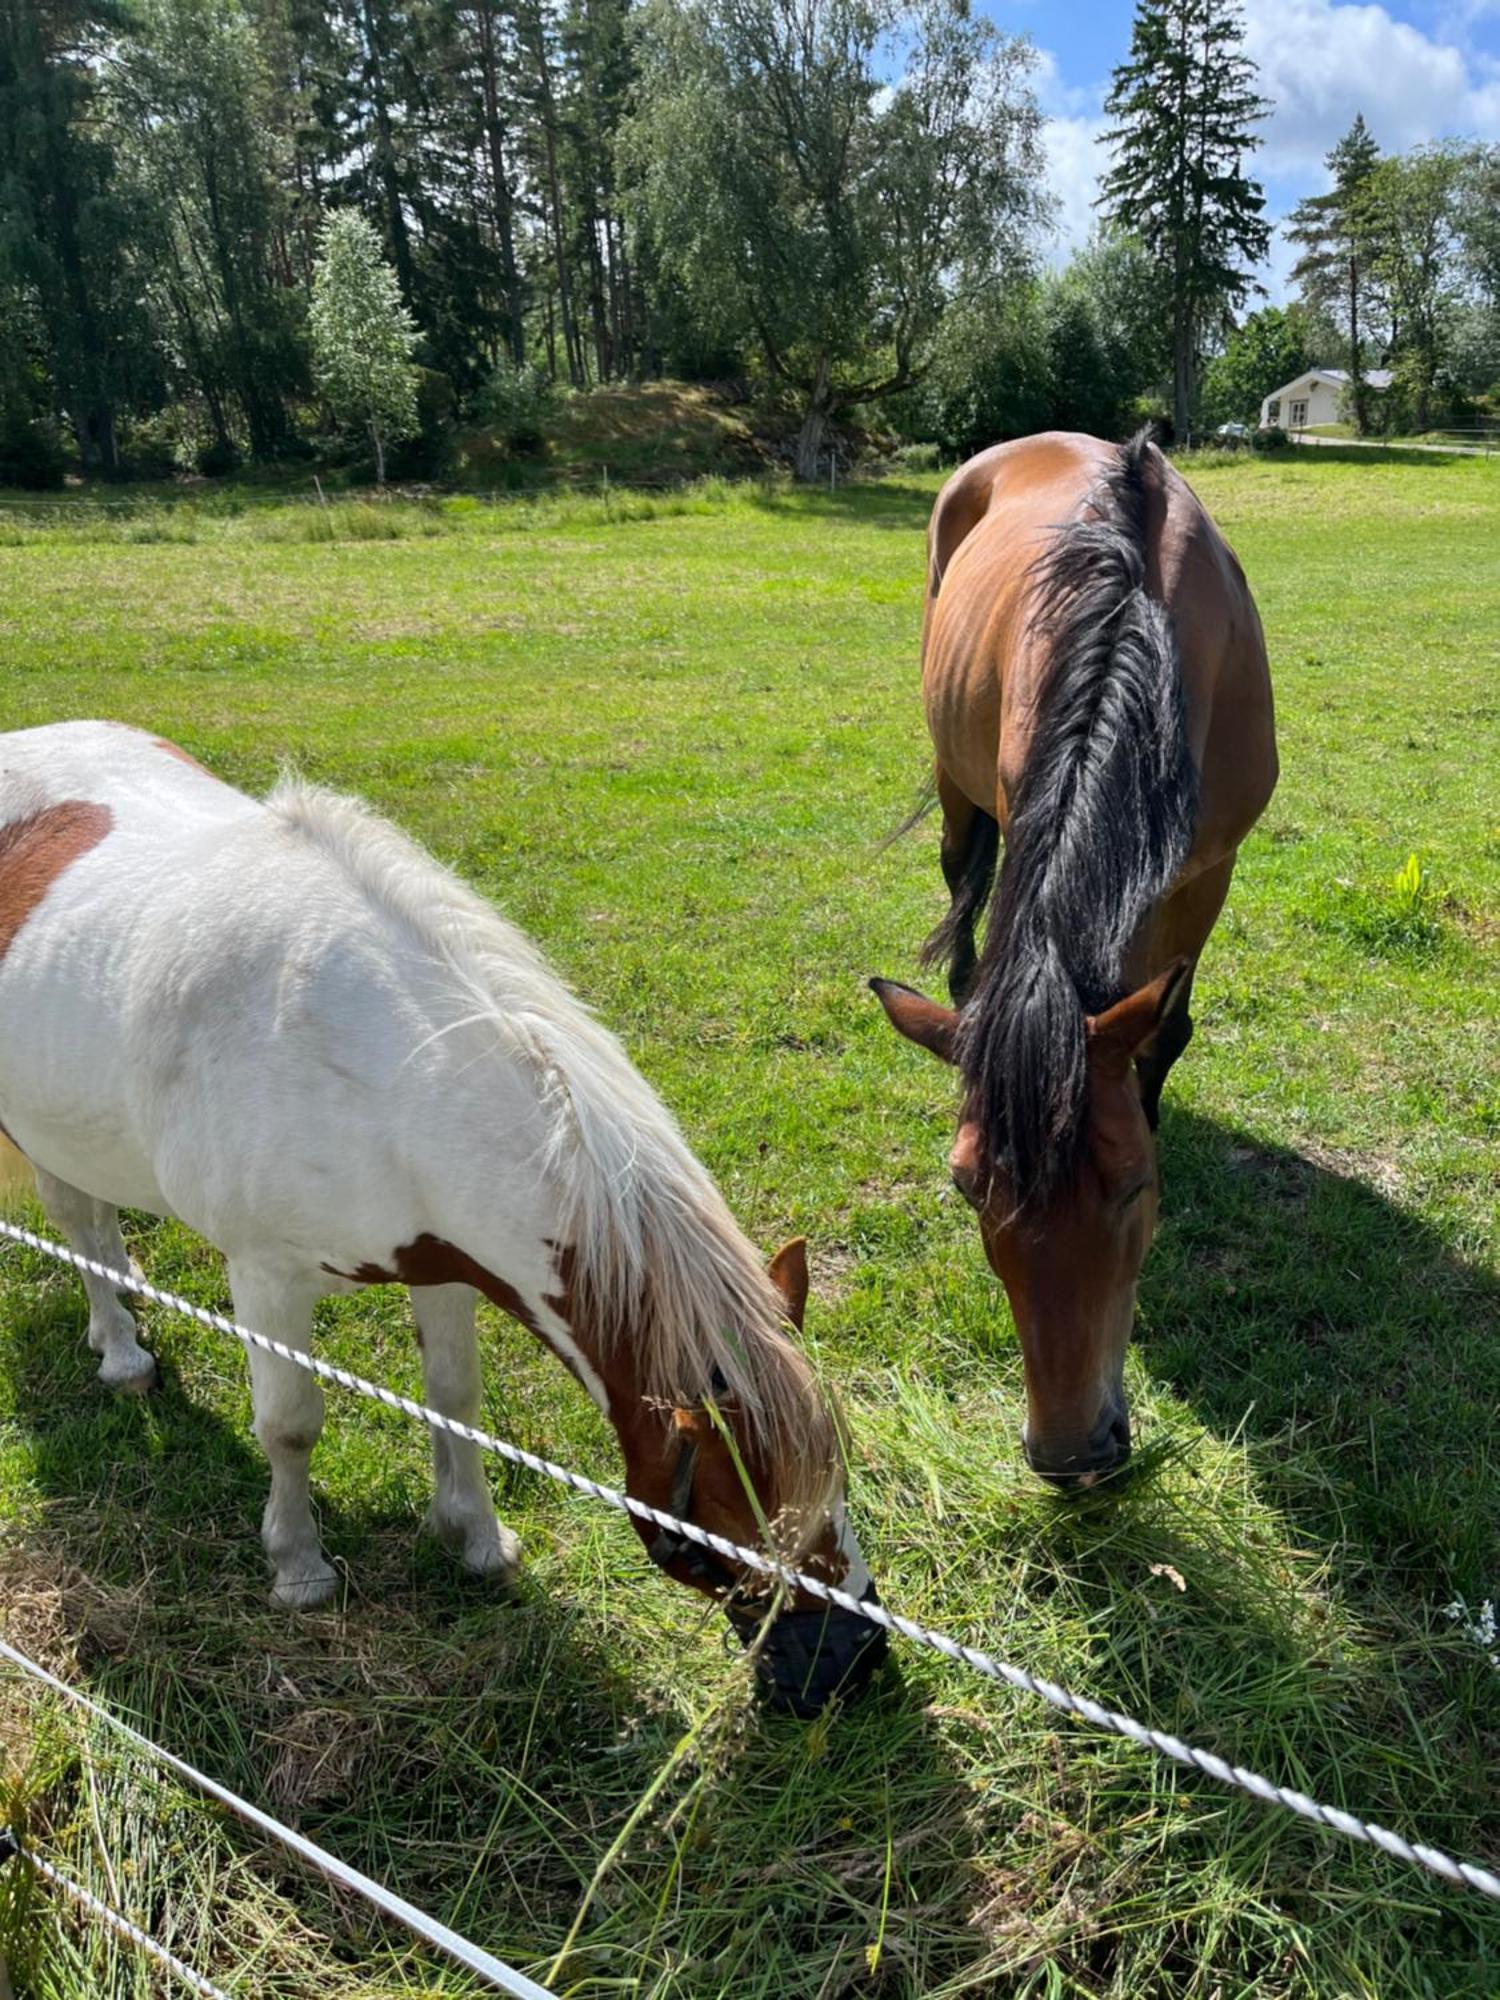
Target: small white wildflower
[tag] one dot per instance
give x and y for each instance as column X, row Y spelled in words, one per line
column 1481, row 1626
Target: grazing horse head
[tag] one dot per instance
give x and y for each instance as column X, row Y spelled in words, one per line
column 1069, row 1260
column 757, row 1459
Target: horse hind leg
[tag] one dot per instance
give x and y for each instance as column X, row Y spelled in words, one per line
column 93, row 1230
column 462, row 1512
column 288, row 1422
column 968, row 852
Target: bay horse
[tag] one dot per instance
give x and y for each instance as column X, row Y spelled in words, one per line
column 286, row 1024
column 1097, row 691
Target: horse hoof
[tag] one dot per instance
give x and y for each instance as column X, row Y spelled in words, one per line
column 485, row 1547
column 304, row 1593
column 133, row 1379
column 498, row 1557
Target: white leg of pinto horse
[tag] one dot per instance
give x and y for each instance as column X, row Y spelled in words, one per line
column 288, row 1421
column 93, row 1230
column 462, row 1512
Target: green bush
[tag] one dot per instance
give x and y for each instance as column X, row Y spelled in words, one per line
column 518, row 404
column 427, row 452
column 216, row 459
column 917, row 457
column 1271, row 438
column 31, row 454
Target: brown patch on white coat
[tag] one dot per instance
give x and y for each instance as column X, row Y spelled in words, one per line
column 652, row 1439
column 36, row 850
column 185, row 757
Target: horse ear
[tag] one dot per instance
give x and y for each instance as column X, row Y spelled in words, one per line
column 787, row 1271
column 1115, row 1036
column 921, row 1020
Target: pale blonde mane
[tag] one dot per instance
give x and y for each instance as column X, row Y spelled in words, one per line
column 657, row 1255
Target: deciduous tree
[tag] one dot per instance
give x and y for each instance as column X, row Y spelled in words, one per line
column 1410, row 208
column 363, row 336
column 787, row 189
column 1271, row 347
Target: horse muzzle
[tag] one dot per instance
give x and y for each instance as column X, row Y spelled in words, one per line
column 1103, row 1456
column 808, row 1657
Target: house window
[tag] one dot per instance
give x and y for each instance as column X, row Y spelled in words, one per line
column 1273, row 410
column 1299, row 413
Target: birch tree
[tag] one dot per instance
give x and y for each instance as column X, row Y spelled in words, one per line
column 363, row 336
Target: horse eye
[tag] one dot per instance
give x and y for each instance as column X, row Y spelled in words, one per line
column 1133, row 1195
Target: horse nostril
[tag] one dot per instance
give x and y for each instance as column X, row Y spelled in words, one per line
column 1117, row 1433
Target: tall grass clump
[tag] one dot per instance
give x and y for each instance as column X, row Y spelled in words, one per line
column 346, row 521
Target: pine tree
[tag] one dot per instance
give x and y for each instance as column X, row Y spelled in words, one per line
column 1334, row 271
column 1186, row 108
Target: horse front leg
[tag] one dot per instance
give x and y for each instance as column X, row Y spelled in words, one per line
column 1153, row 1065
column 288, row 1423
column 1180, row 930
column 93, row 1229
column 462, row 1512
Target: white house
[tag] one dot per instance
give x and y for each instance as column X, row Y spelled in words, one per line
column 1316, row 397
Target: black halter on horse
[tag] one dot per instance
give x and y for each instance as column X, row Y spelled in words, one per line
column 806, row 1657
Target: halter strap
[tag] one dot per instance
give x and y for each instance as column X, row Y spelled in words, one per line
column 670, row 1547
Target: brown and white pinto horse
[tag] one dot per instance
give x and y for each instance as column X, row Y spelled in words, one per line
column 1096, row 686
column 287, row 1025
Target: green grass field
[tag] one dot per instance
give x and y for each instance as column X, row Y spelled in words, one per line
column 668, row 735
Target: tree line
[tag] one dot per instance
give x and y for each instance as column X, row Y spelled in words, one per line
column 838, row 202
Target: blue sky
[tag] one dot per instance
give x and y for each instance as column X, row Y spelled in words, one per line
column 1418, row 69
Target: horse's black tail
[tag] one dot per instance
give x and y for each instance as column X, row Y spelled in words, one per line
column 1100, row 824
column 968, row 877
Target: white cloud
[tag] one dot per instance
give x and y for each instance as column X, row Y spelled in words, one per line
column 1075, row 159
column 1321, row 63
column 1075, row 156
column 1276, row 272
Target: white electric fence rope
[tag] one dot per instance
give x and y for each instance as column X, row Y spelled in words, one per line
column 86, row 1900
column 1463, row 1874
column 499, row 1975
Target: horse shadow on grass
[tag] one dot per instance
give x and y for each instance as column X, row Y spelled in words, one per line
column 1293, row 1302
column 476, row 1749
column 1350, row 1350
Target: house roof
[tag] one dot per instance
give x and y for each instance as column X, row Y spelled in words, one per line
column 1377, row 378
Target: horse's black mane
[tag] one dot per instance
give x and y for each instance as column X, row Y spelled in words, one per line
column 1099, row 825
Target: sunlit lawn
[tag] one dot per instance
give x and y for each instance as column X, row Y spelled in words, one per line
column 669, row 736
